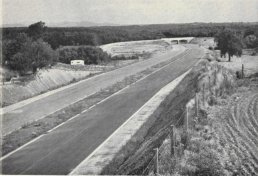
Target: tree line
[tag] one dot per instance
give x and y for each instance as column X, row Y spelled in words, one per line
column 37, row 46
column 94, row 36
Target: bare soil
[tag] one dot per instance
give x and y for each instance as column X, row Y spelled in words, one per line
column 237, row 126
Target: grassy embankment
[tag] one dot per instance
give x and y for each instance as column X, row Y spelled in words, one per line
column 222, row 139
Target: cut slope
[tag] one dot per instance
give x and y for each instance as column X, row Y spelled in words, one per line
column 44, row 80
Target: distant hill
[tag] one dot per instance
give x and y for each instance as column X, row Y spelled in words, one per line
column 79, row 24
column 14, row 25
column 64, row 24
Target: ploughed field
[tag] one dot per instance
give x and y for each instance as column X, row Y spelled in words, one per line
column 236, row 124
column 240, row 132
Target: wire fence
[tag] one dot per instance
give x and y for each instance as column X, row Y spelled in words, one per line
column 179, row 136
column 151, row 165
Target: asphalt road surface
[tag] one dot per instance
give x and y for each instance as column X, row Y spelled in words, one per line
column 61, row 150
column 15, row 119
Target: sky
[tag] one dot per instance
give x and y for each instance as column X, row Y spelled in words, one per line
column 125, row 12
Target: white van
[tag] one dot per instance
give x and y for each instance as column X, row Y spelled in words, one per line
column 77, row 62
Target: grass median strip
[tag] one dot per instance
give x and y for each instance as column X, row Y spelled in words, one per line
column 34, row 129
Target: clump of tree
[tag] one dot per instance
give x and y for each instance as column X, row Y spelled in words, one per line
column 26, row 51
column 251, row 38
column 90, row 54
column 229, row 43
column 24, row 54
column 37, row 30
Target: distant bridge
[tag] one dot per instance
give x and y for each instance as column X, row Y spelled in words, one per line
column 183, row 40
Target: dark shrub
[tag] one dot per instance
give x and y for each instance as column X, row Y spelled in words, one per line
column 90, row 54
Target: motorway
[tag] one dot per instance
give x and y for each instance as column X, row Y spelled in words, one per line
column 61, row 150
column 16, row 118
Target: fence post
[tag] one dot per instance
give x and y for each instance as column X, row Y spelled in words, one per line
column 196, row 104
column 172, row 141
column 210, row 85
column 215, row 77
column 203, row 94
column 156, row 170
column 186, row 119
column 243, row 71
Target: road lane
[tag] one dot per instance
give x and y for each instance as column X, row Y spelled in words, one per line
column 64, row 148
column 16, row 118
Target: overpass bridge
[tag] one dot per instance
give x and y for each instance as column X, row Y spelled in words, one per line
column 183, row 40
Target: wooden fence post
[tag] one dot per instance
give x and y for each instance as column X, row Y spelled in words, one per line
column 203, row 94
column 186, row 119
column 172, row 141
column 196, row 104
column 215, row 77
column 243, row 71
column 210, row 85
column 156, row 170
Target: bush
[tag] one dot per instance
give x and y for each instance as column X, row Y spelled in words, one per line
column 122, row 57
column 210, row 48
column 90, row 54
column 205, row 162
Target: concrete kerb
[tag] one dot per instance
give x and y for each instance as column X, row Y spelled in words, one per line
column 103, row 154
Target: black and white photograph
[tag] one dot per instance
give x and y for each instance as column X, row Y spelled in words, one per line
column 129, row 87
